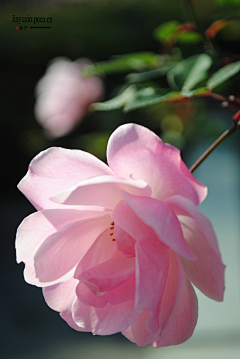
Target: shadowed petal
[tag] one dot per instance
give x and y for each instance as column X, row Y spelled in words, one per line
column 124, row 292
column 173, row 290
column 151, row 275
column 139, row 333
column 207, row 273
column 128, row 334
column 110, row 274
column 102, row 249
column 183, row 321
column 124, row 242
column 104, row 321
column 162, row 219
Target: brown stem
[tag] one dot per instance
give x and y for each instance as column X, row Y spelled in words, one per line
column 208, row 46
column 226, row 134
column 231, row 101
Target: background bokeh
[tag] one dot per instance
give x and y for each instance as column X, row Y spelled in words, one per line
column 98, row 29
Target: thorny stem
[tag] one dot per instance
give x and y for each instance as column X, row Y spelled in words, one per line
column 225, row 134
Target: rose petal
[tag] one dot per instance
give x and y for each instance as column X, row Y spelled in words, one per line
column 139, row 333
column 125, row 220
column 162, row 219
column 63, row 250
column 110, row 274
column 34, row 229
column 177, row 291
column 124, row 242
column 207, row 273
column 102, row 191
column 135, row 152
column 183, row 321
column 60, row 297
column 67, row 316
column 104, row 321
column 102, row 249
column 128, row 334
column 55, row 170
column 151, row 274
column 173, row 290
column 122, row 293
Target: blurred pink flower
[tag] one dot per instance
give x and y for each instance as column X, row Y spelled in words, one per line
column 63, row 96
column 116, row 247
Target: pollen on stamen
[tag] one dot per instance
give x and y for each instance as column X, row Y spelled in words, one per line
column 112, row 228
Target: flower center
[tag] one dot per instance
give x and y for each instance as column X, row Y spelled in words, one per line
column 112, row 234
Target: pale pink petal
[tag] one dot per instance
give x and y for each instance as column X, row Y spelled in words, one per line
column 127, row 221
column 34, row 229
column 102, row 249
column 110, row 274
column 102, row 191
column 58, row 169
column 136, row 152
column 183, row 321
column 104, row 321
column 63, row 250
column 60, row 297
column 67, row 316
column 128, row 334
column 124, row 242
column 173, row 290
column 174, row 295
column 207, row 273
column 151, row 274
column 139, row 333
column 162, row 219
column 124, row 292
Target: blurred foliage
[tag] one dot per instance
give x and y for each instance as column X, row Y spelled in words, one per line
column 154, row 57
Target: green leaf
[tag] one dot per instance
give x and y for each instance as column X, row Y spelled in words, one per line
column 198, row 92
column 190, row 37
column 163, row 31
column 189, row 72
column 135, row 61
column 146, row 57
column 223, row 75
column 150, row 96
column 116, row 102
column 149, row 75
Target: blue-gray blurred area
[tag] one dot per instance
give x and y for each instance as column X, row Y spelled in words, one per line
column 97, row 30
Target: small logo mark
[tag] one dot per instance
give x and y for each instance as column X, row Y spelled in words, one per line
column 17, row 28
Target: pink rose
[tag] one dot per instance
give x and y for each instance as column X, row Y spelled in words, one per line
column 116, row 247
column 63, row 96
